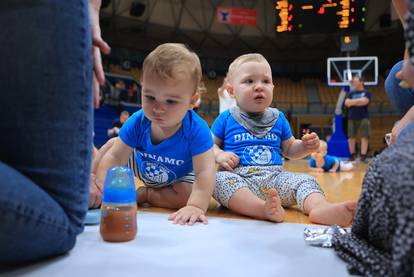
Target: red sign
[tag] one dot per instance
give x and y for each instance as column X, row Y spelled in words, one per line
column 236, row 16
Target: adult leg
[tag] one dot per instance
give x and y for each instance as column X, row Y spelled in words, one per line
column 46, row 111
column 351, row 137
column 351, row 143
column 364, row 146
column 365, row 131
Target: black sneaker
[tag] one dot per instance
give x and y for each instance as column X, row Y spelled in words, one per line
column 352, row 157
column 363, row 158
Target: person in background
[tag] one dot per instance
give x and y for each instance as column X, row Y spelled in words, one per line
column 322, row 162
column 357, row 102
column 403, row 101
column 117, row 124
column 400, row 82
column 225, row 100
column 201, row 91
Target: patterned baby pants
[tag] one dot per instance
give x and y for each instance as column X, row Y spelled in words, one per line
column 292, row 188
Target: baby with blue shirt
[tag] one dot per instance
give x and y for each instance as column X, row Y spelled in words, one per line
column 321, row 162
column 249, row 142
column 171, row 145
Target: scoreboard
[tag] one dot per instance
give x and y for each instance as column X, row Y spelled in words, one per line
column 319, row 16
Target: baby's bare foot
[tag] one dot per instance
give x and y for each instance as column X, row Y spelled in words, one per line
column 341, row 214
column 272, row 208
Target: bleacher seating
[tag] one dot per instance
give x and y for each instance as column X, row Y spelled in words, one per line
column 287, row 91
column 379, row 127
column 103, row 119
column 327, row 95
column 133, row 72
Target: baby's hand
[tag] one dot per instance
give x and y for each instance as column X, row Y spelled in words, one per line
column 332, row 171
column 188, row 215
column 95, row 192
column 227, row 160
column 311, row 142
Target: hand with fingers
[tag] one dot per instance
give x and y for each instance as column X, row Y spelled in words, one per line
column 95, row 194
column 311, row 142
column 227, row 160
column 188, row 215
column 99, row 45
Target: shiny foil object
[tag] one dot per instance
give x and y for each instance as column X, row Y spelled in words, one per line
column 322, row 237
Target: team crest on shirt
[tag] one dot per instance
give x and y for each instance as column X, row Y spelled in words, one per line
column 258, row 154
column 157, row 173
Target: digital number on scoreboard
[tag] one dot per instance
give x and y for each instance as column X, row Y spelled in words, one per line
column 324, row 16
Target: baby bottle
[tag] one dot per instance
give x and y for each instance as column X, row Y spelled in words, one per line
column 119, row 208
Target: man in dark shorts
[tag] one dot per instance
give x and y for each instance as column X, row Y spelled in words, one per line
column 357, row 103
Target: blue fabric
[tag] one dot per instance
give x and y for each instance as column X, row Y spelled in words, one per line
column 250, row 149
column 358, row 112
column 46, row 123
column 93, row 217
column 402, row 99
column 329, row 162
column 312, row 162
column 160, row 165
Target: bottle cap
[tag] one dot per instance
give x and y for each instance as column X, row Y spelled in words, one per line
column 119, row 186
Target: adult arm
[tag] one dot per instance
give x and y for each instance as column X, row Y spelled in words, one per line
column 99, row 45
column 407, row 119
column 363, row 101
column 401, row 7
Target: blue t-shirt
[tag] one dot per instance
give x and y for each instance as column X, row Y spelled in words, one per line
column 250, row 149
column 328, row 164
column 358, row 112
column 161, row 164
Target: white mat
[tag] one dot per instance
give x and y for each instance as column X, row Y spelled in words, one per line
column 224, row 247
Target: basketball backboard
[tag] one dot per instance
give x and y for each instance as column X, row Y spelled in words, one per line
column 341, row 69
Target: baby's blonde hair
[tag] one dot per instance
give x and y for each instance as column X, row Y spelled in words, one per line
column 172, row 61
column 252, row 57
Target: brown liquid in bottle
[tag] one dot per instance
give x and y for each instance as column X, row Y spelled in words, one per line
column 118, row 223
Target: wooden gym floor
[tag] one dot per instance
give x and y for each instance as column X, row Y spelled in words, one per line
column 338, row 187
